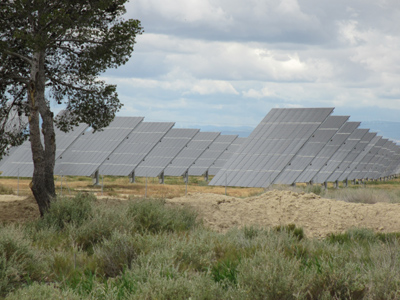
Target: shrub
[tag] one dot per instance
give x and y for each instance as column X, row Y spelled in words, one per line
column 19, row 262
column 153, row 216
column 116, row 254
column 66, row 210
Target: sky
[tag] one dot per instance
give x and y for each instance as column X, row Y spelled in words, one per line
column 229, row 62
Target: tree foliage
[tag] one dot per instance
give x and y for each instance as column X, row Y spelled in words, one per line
column 55, row 50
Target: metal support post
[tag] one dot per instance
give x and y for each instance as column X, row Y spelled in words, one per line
column 325, row 184
column 161, row 178
column 206, row 176
column 132, row 177
column 95, row 178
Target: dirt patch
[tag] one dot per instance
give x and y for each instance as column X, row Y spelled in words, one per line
column 317, row 216
column 17, row 209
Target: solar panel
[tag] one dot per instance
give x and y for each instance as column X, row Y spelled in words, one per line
column 337, row 152
column 187, row 157
column 390, row 161
column 210, row 155
column 349, row 152
column 271, row 146
column 363, row 167
column 164, row 152
column 378, row 163
column 20, row 162
column 326, row 153
column 358, row 164
column 134, row 148
column 310, row 149
column 225, row 156
column 88, row 152
column 354, row 157
column 393, row 164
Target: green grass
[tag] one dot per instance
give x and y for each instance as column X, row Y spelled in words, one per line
column 86, row 249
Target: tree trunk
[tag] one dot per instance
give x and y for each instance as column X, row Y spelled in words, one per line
column 43, row 154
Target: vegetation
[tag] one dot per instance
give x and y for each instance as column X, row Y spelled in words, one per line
column 143, row 249
column 55, row 51
column 5, row 190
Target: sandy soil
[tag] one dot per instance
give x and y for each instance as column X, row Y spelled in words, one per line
column 317, row 216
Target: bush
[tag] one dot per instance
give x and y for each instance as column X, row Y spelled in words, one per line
column 116, row 254
column 153, row 216
column 19, row 262
column 66, row 210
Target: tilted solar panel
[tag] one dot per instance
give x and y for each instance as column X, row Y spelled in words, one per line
column 137, row 145
column 311, row 173
column 20, row 162
column 271, row 146
column 310, row 149
column 91, row 149
column 164, row 152
column 186, row 158
column 210, row 155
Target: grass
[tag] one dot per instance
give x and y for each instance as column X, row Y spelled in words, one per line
column 143, row 249
column 5, row 190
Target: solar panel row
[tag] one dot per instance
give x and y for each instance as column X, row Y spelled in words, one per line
column 288, row 146
column 308, row 145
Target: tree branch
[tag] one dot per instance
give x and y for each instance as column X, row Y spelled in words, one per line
column 27, row 59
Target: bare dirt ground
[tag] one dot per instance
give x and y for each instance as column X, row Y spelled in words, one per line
column 317, row 216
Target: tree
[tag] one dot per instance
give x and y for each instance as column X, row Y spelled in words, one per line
column 54, row 50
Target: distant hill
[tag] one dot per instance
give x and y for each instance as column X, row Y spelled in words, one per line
column 389, row 130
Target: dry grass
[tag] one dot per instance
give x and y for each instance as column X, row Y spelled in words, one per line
column 120, row 187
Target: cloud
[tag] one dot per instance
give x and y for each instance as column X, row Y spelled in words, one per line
column 230, row 62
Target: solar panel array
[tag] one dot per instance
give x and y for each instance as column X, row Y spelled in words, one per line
column 308, row 145
column 92, row 148
column 131, row 152
column 162, row 155
column 211, row 154
column 20, row 163
column 288, row 146
column 186, row 158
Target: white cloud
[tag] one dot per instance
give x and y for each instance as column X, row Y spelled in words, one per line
column 230, row 61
